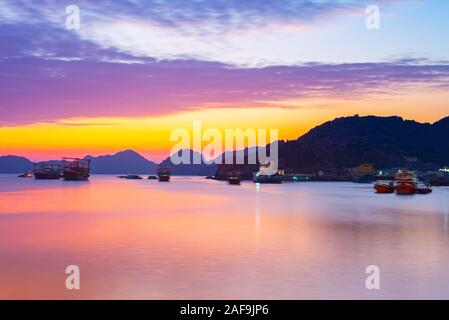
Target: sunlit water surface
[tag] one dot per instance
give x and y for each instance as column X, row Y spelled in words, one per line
column 200, row 239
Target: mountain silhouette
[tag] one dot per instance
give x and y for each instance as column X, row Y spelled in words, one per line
column 384, row 141
column 332, row 147
column 15, row 164
column 126, row 162
column 190, row 169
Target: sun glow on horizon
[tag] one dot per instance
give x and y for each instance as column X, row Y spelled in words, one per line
column 150, row 135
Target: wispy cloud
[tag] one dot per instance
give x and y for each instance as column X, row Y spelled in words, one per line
column 133, row 58
column 218, row 16
column 229, row 31
column 34, row 89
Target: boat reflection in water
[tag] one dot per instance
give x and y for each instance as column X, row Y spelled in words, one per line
column 75, row 169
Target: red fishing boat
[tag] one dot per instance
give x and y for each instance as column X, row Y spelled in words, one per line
column 384, row 186
column 406, row 182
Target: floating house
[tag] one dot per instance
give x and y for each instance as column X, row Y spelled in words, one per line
column 75, row 169
column 47, row 170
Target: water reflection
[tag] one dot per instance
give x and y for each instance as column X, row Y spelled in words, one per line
column 196, row 239
column 257, row 186
column 445, row 206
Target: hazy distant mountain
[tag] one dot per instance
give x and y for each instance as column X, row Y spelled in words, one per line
column 125, row 162
column 14, row 164
column 349, row 141
column 191, row 169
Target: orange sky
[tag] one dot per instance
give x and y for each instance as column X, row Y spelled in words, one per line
column 150, row 136
column 128, row 82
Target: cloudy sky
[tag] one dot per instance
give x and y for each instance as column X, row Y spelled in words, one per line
column 135, row 70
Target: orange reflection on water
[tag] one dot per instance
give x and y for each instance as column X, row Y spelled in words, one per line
column 193, row 239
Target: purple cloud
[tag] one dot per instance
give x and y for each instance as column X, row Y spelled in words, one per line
column 227, row 31
column 34, row 89
column 49, row 73
column 220, row 15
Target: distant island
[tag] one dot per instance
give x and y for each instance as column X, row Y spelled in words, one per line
column 332, row 147
column 124, row 162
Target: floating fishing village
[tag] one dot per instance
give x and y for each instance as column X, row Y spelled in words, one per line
column 406, row 157
column 403, row 181
column 69, row 169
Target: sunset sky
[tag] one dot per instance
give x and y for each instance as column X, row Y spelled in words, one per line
column 136, row 70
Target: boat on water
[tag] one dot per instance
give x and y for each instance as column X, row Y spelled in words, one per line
column 25, row 175
column 384, row 186
column 423, row 188
column 47, row 171
column 234, row 178
column 152, row 178
column 75, row 169
column 266, row 175
column 163, row 174
column 131, row 177
column 406, row 182
column 274, row 179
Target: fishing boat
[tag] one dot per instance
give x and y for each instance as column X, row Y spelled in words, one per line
column 47, row 171
column 406, row 182
column 423, row 188
column 265, row 175
column 234, row 178
column 163, row 174
column 273, row 179
column 26, row 175
column 133, row 177
column 75, row 169
column 384, row 186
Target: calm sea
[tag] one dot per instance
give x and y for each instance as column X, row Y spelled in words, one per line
column 200, row 239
